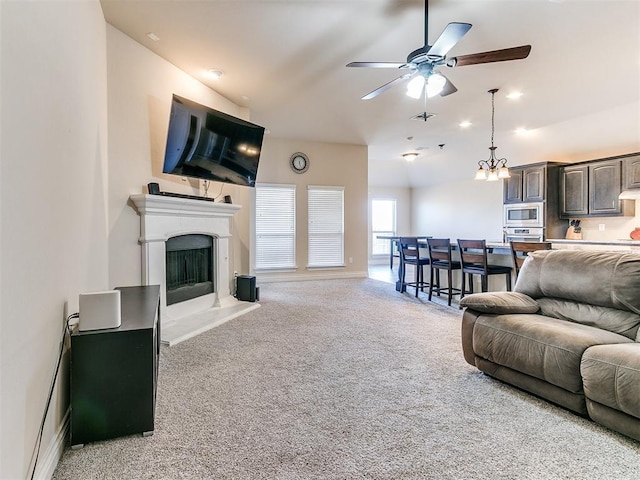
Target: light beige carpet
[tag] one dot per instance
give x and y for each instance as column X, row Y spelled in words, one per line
column 347, row 380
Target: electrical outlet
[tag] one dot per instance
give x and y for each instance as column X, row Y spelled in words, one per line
column 350, row 259
column 601, row 227
column 235, row 273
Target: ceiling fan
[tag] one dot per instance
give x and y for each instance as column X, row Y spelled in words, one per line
column 423, row 62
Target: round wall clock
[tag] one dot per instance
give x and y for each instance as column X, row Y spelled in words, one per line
column 299, row 162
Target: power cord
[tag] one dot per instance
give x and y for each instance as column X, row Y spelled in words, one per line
column 66, row 330
column 206, row 184
column 219, row 193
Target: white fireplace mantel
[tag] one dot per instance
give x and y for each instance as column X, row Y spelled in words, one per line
column 163, row 217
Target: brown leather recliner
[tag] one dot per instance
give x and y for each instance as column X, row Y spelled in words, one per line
column 569, row 333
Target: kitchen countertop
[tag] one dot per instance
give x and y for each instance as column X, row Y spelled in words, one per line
column 621, row 242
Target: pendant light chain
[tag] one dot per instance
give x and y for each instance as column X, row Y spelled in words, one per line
column 493, row 114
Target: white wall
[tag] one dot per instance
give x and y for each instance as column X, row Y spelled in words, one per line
column 468, row 209
column 331, row 164
column 53, row 194
column 140, row 88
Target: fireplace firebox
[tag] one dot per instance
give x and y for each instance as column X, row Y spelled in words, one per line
column 189, row 267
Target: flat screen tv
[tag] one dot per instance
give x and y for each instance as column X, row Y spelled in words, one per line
column 207, row 144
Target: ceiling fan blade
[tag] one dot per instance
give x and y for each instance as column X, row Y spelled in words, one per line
column 387, row 86
column 377, row 64
column 448, row 89
column 451, row 35
column 515, row 53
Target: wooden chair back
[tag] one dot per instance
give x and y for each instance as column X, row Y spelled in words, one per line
column 439, row 250
column 409, row 249
column 473, row 253
column 520, row 250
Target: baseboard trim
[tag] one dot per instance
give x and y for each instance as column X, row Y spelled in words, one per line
column 49, row 461
column 299, row 277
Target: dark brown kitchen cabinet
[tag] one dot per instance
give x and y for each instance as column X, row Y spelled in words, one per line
column 591, row 189
column 631, row 172
column 533, row 184
column 513, row 186
column 114, row 371
column 574, row 196
column 527, row 184
column 605, row 184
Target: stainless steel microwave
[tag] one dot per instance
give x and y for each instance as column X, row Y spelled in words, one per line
column 524, row 214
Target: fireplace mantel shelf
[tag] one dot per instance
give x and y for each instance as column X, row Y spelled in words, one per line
column 161, row 205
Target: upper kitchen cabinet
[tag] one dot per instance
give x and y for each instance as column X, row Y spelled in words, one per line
column 527, row 184
column 631, row 172
column 574, row 194
column 592, row 189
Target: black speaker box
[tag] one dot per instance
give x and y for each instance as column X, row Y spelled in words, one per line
column 154, row 188
column 246, row 288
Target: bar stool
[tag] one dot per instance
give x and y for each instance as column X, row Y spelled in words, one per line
column 440, row 259
column 410, row 255
column 473, row 255
column 519, row 251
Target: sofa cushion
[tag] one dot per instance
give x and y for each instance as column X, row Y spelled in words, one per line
column 542, row 347
column 618, row 321
column 611, row 376
column 607, row 279
column 500, row 302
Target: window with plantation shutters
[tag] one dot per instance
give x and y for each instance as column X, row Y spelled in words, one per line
column 326, row 226
column 275, row 226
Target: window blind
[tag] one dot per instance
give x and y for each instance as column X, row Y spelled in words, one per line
column 275, row 226
column 326, row 226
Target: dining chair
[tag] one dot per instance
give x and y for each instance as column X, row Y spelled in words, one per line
column 520, row 250
column 440, row 259
column 474, row 258
column 410, row 255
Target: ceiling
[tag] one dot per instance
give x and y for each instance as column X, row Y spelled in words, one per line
column 285, row 60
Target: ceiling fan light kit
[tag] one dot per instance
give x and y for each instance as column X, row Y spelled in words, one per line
column 494, row 168
column 422, row 62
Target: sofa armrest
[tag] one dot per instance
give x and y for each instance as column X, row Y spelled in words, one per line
column 468, row 323
column 500, row 303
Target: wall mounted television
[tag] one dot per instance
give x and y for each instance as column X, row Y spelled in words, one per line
column 211, row 145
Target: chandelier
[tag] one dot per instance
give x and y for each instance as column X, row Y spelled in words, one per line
column 494, row 168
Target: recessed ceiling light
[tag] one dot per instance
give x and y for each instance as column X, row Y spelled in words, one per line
column 215, row 73
column 410, row 157
column 153, row 36
column 465, row 124
column 521, row 131
column 514, row 95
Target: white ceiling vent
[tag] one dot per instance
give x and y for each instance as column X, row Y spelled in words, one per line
column 424, row 116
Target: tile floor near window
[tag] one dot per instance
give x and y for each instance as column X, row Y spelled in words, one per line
column 383, row 273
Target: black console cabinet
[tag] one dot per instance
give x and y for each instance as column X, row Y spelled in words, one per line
column 114, row 371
